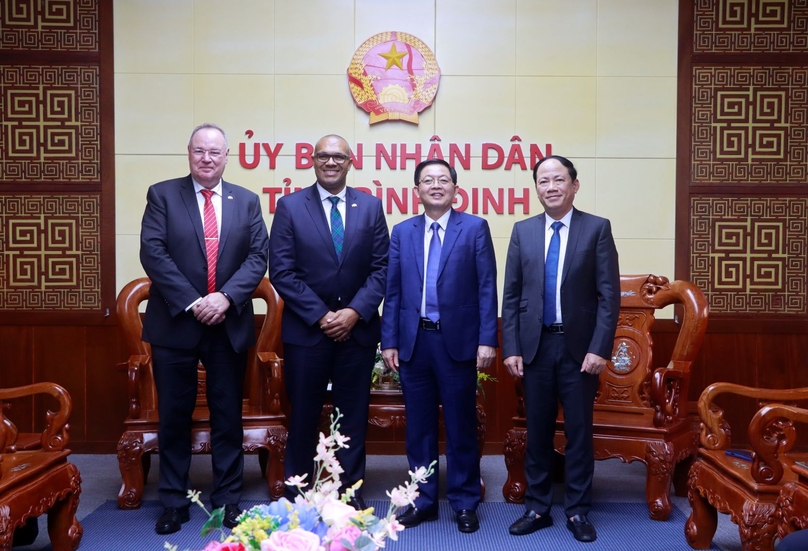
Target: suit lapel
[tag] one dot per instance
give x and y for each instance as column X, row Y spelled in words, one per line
column 228, row 210
column 537, row 241
column 315, row 209
column 189, row 198
column 351, row 219
column 417, row 241
column 453, row 229
column 575, row 230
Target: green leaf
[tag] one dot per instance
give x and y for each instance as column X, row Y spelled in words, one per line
column 363, row 543
column 214, row 522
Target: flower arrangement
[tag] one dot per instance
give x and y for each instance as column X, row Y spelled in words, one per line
column 482, row 377
column 382, row 378
column 319, row 519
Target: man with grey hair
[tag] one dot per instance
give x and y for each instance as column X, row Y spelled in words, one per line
column 203, row 244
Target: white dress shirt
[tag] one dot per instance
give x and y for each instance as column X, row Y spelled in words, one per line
column 442, row 221
column 216, row 199
column 563, row 233
column 326, row 202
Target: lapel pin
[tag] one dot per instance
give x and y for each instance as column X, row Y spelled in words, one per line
column 229, row 196
column 353, row 205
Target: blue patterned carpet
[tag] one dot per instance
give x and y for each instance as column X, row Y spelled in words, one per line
column 621, row 527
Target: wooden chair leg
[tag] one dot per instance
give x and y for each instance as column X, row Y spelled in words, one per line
column 63, row 527
column 680, row 475
column 758, row 526
column 514, row 489
column 659, row 459
column 703, row 521
column 130, row 454
column 277, row 450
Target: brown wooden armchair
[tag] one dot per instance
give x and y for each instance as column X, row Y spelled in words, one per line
column 748, row 490
column 34, row 482
column 791, row 507
column 641, row 413
column 263, row 419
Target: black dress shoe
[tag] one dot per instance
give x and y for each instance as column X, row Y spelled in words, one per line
column 581, row 528
column 231, row 513
column 171, row 520
column 357, row 503
column 529, row 523
column 467, row 521
column 415, row 516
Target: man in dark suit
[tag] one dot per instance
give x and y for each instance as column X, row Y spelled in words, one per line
column 328, row 261
column 559, row 315
column 439, row 325
column 203, row 243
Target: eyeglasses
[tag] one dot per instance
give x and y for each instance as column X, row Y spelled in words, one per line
column 442, row 181
column 338, row 158
column 214, row 154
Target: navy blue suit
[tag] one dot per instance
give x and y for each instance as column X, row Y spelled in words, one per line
column 590, row 304
column 172, row 252
column 311, row 280
column 439, row 367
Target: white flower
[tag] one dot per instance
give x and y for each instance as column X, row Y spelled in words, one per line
column 297, row 481
column 337, row 513
column 403, row 495
column 293, row 540
column 340, row 440
column 420, row 475
column 333, row 466
column 390, row 528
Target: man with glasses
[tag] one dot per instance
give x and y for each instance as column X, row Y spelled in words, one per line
column 203, row 244
column 439, row 326
column 328, row 260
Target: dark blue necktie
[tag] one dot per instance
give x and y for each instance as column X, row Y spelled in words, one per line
column 337, row 229
column 432, row 263
column 551, row 275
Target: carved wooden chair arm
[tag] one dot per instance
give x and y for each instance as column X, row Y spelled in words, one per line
column 10, row 431
column 667, row 387
column 715, row 431
column 134, row 371
column 55, row 436
column 772, row 434
column 272, row 379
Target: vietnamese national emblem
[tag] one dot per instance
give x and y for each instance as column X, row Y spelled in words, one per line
column 393, row 76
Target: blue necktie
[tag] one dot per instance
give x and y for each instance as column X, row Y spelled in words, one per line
column 432, row 264
column 551, row 275
column 337, row 229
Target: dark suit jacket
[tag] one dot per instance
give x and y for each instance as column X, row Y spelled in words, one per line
column 467, row 280
column 304, row 268
column 590, row 288
column 172, row 251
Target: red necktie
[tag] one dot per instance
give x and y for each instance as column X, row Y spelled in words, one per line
column 211, row 239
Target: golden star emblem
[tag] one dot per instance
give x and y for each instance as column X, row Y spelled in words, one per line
column 393, row 57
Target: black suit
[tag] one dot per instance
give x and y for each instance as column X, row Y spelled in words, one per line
column 174, row 257
column 590, row 303
column 311, row 280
